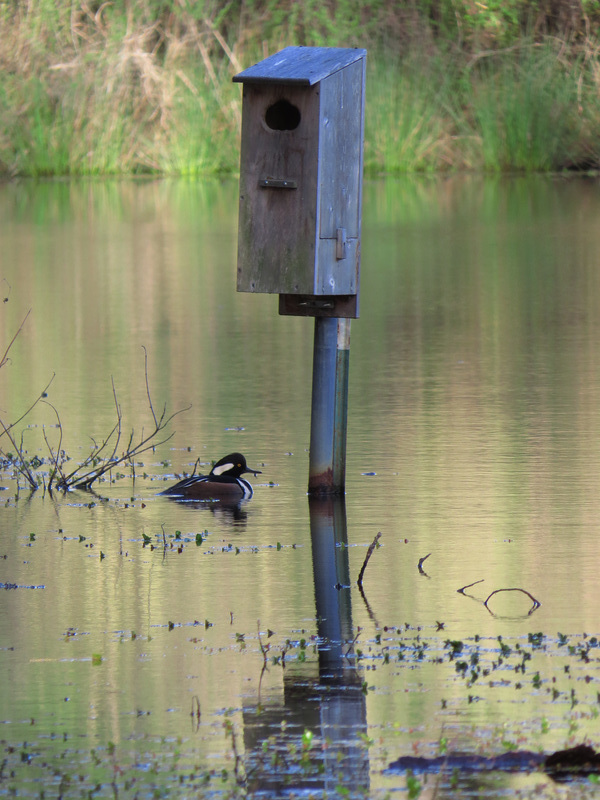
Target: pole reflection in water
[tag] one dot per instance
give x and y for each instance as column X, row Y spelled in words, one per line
column 326, row 697
column 329, row 538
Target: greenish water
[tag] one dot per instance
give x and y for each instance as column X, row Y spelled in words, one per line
column 474, row 413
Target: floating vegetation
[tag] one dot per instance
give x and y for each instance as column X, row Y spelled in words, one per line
column 267, row 749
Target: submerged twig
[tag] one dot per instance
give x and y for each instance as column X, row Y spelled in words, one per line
column 21, row 463
column 132, row 450
column 4, row 358
column 421, row 562
column 372, row 547
column 195, row 713
column 238, row 763
column 372, row 616
column 264, row 650
column 103, row 457
column 148, row 387
column 43, row 393
column 196, row 465
column 536, row 603
column 57, row 467
column 468, row 586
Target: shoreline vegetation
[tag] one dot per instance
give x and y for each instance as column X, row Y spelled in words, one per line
column 134, row 87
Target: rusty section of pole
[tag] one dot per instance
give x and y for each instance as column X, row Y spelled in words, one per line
column 329, row 413
column 340, row 422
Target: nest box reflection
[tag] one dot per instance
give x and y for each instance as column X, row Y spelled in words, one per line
column 282, row 116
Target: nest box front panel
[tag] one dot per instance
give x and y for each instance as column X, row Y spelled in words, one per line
column 278, row 189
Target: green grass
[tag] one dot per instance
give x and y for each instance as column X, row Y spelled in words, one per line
column 529, row 109
column 149, row 90
column 524, row 110
column 408, row 123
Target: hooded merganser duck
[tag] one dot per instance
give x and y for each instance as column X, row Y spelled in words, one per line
column 223, row 482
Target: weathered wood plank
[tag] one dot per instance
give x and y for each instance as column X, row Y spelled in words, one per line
column 301, row 174
column 304, row 65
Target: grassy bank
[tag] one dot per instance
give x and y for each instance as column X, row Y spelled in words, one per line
column 145, row 87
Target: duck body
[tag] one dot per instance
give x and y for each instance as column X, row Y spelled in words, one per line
column 223, row 482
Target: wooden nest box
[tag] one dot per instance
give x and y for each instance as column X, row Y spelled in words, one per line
column 301, row 179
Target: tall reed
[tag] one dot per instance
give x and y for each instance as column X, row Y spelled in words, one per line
column 524, row 109
column 145, row 87
column 408, row 122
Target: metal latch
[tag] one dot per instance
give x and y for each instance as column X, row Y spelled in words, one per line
column 315, row 303
column 340, row 243
column 274, row 183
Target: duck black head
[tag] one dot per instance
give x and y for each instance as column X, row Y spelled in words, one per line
column 232, row 466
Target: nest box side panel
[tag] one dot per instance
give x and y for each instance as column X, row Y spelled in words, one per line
column 340, row 180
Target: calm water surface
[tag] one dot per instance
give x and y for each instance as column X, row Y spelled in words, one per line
column 473, row 440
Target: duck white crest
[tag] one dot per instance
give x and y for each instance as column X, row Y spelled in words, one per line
column 222, row 468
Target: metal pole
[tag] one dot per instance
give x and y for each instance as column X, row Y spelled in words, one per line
column 329, row 414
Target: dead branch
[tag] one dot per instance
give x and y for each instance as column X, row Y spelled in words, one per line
column 196, row 465
column 196, row 713
column 372, row 616
column 468, row 586
column 145, row 444
column 103, row 464
column 147, row 386
column 421, row 562
column 93, row 458
column 536, row 603
column 264, row 650
column 22, row 465
column 4, row 358
column 20, row 462
column 238, row 764
column 372, row 547
column 103, row 457
column 43, row 393
column 54, row 457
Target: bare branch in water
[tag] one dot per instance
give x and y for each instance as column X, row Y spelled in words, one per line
column 19, row 461
column 4, row 358
column 372, row 547
column 196, row 713
column 536, row 603
column 103, row 457
column 101, row 464
column 468, row 586
column 421, row 562
column 57, row 467
column 43, row 393
column 264, row 650
column 148, row 388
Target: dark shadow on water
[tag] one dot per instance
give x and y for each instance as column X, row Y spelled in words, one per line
column 325, row 697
